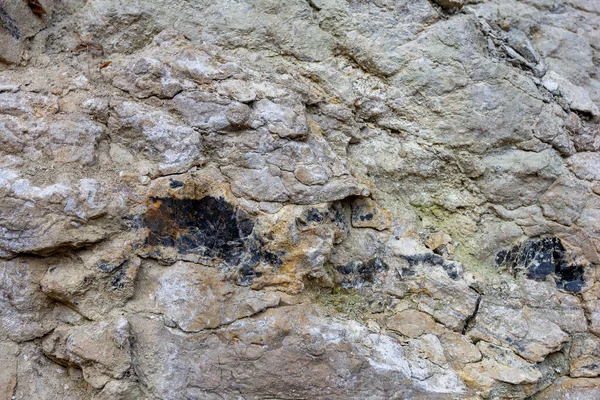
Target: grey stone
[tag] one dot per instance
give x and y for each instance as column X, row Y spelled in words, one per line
column 26, row 312
column 529, row 334
column 100, row 349
column 256, row 184
column 576, row 388
column 299, row 199
column 148, row 77
column 311, row 174
column 238, row 114
column 449, row 4
column 564, row 201
column 194, row 299
column 203, row 110
column 585, row 355
column 500, row 365
column 285, row 119
column 585, row 166
column 18, row 23
column 516, row 178
column 165, row 142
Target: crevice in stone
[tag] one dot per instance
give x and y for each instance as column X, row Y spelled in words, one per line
column 208, row 330
column 312, row 5
column 471, row 318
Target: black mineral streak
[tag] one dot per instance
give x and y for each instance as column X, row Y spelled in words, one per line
column 452, row 270
column 10, row 24
column 313, row 215
column 358, row 273
column 176, row 184
column 107, row 267
column 119, row 279
column 210, row 227
column 540, row 257
column 367, row 217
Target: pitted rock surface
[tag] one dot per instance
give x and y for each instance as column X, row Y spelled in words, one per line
column 328, row 199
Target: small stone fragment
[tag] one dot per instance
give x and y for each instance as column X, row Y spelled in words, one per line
column 450, row 4
column 101, row 349
column 459, row 349
column 366, row 213
column 585, row 355
column 499, row 365
column 311, row 174
column 572, row 388
column 438, row 239
column 530, row 335
column 238, row 114
column 411, row 323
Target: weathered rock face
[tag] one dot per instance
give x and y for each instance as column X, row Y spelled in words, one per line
column 330, row 199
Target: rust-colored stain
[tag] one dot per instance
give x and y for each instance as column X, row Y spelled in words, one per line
column 210, row 227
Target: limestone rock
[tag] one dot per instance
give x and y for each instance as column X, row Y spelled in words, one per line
column 458, row 349
column 437, row 240
column 585, row 354
column 508, row 176
column 103, row 281
column 593, row 309
column 285, row 119
column 367, row 214
column 450, row 302
column 499, row 365
column 585, row 166
column 449, row 4
column 101, row 350
column 242, row 349
column 411, row 323
column 19, row 23
column 202, row 110
column 8, row 376
column 564, row 201
column 41, row 219
column 258, row 185
column 148, row 77
column 530, row 336
column 577, row 97
column 51, row 380
column 26, row 312
column 169, row 145
column 575, row 388
column 122, row 390
column 194, row 298
column 380, row 199
column 311, row 175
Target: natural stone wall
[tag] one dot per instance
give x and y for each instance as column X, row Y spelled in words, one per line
column 324, row 199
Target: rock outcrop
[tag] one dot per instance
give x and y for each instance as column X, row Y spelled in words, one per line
column 328, row 199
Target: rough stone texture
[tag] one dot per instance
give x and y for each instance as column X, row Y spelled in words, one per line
column 585, row 355
column 19, row 23
column 298, row 199
column 573, row 388
column 500, row 365
column 101, row 350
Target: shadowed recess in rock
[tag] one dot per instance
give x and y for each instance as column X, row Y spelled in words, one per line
column 540, row 257
column 210, row 227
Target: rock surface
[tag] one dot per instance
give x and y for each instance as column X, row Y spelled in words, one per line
column 299, row 199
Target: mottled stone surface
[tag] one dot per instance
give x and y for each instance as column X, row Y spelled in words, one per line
column 299, row 199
